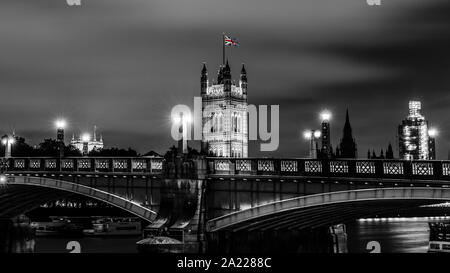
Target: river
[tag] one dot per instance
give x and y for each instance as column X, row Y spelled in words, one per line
column 88, row 244
column 395, row 235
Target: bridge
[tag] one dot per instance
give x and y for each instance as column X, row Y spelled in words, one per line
column 119, row 182
column 259, row 183
column 213, row 200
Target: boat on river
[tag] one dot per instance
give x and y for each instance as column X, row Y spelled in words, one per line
column 56, row 226
column 439, row 237
column 113, row 226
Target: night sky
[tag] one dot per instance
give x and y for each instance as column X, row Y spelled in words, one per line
column 123, row 64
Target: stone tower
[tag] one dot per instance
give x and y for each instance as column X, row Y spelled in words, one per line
column 224, row 114
column 413, row 135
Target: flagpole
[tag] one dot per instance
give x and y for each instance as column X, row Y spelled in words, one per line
column 223, row 64
column 223, row 48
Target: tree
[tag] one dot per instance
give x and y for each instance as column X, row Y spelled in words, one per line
column 173, row 152
column 113, row 152
column 71, row 150
column 21, row 148
column 49, row 147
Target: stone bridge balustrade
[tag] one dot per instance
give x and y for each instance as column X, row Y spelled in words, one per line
column 154, row 165
column 357, row 168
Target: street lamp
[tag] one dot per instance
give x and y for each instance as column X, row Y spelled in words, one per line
column 60, row 125
column 8, row 141
column 325, row 116
column 432, row 133
column 307, row 134
column 317, row 134
column 312, row 136
column 183, row 120
column 85, row 138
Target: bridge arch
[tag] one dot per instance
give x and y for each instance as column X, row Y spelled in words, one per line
column 352, row 203
column 50, row 185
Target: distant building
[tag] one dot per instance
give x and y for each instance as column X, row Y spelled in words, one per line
column 225, row 124
column 389, row 153
column 347, row 147
column 413, row 138
column 85, row 143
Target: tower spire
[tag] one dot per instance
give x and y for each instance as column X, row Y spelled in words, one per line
column 243, row 80
column 243, row 71
column 347, row 119
column 348, row 144
column 204, row 70
column 347, row 126
column 204, row 79
column 226, row 68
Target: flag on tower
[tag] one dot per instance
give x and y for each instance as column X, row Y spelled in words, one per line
column 231, row 41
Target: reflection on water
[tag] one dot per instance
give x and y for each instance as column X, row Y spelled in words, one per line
column 395, row 235
column 117, row 244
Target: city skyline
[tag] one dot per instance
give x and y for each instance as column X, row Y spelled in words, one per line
column 90, row 75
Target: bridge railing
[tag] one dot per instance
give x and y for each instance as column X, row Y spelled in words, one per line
column 358, row 168
column 153, row 165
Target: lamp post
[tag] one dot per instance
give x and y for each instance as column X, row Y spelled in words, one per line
column 432, row 133
column 8, row 141
column 325, row 117
column 312, row 136
column 60, row 126
column 183, row 120
column 85, row 138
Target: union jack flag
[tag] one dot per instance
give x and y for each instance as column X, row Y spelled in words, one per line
column 231, row 41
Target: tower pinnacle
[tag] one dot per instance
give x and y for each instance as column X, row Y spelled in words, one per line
column 243, row 71
column 348, row 144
